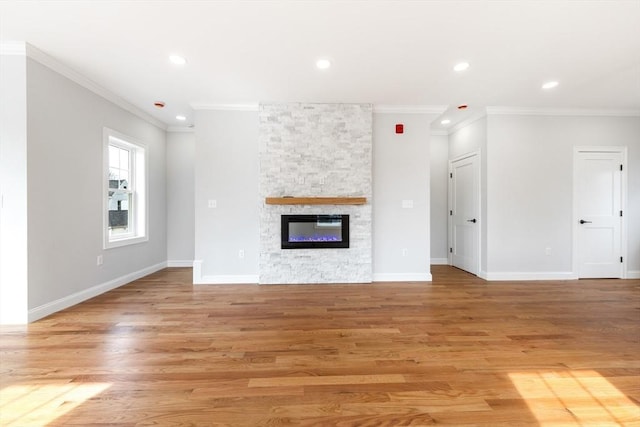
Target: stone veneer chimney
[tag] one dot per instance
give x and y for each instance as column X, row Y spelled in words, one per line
column 315, row 150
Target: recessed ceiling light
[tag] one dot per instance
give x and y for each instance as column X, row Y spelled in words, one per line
column 550, row 85
column 177, row 59
column 461, row 66
column 323, row 64
column 445, row 122
column 181, row 118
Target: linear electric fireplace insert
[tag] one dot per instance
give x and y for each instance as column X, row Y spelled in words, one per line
column 315, row 231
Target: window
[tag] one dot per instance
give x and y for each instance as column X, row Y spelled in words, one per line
column 125, row 191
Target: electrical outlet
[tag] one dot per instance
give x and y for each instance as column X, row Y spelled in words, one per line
column 241, row 253
column 407, row 204
column 547, row 251
column 99, row 260
column 213, row 203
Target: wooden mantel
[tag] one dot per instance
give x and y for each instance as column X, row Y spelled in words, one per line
column 316, row 200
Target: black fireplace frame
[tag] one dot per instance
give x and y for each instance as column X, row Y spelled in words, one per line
column 285, row 220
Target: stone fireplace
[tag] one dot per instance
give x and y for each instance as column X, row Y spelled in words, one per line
column 315, row 151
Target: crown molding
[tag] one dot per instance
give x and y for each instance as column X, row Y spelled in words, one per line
column 22, row 48
column 409, row 109
column 181, row 129
column 225, row 107
column 585, row 112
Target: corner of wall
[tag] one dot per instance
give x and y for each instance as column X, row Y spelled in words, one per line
column 221, row 279
column 634, row 274
column 180, row 263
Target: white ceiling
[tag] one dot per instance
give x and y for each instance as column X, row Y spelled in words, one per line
column 383, row 52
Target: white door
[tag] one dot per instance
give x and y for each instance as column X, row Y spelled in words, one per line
column 464, row 213
column 598, row 210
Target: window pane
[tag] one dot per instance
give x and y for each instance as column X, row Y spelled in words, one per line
column 120, row 198
column 114, row 157
column 119, row 213
column 114, row 177
column 124, row 159
column 123, row 183
column 124, row 204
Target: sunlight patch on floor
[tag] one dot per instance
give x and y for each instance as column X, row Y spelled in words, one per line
column 40, row 404
column 559, row 398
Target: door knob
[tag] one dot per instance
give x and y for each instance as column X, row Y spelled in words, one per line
column 472, row 220
column 582, row 221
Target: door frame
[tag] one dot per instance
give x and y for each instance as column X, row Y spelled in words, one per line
column 478, row 201
column 623, row 202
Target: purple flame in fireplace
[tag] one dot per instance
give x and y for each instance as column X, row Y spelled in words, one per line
column 314, row 238
column 314, row 231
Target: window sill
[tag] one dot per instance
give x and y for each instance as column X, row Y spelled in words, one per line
column 118, row 243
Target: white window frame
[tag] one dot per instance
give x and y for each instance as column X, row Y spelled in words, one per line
column 138, row 186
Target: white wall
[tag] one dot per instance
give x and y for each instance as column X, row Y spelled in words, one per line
column 530, row 169
column 13, row 188
column 401, row 172
column 65, row 169
column 469, row 138
column 180, row 198
column 439, row 177
column 226, row 170
column 526, row 164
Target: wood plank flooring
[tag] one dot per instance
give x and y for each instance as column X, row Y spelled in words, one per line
column 458, row 351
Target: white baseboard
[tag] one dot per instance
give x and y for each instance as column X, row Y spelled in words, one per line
column 78, row 297
column 402, row 277
column 555, row 275
column 634, row 274
column 228, row 279
column 439, row 261
column 221, row 279
column 180, row 263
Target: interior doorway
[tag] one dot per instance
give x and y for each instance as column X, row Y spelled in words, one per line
column 599, row 192
column 464, row 213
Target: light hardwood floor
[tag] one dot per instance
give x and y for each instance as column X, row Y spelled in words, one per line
column 458, row 351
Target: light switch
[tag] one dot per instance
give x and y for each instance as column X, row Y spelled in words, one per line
column 213, row 203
